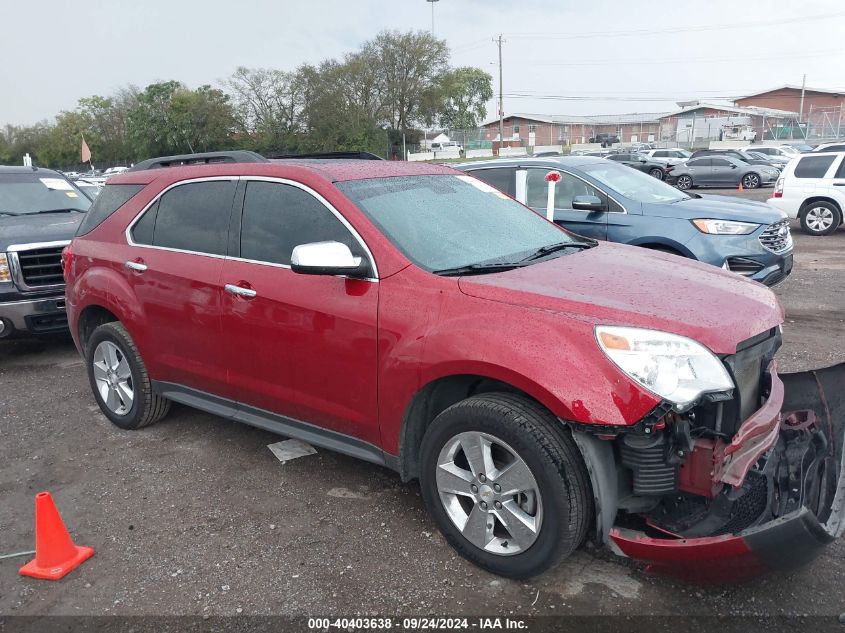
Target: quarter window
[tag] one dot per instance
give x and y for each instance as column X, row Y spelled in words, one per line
column 191, row 217
column 813, row 166
column 278, row 217
column 840, row 173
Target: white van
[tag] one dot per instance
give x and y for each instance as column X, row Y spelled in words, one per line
column 447, row 146
column 812, row 189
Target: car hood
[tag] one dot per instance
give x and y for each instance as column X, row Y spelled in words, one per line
column 627, row 285
column 718, row 208
column 44, row 227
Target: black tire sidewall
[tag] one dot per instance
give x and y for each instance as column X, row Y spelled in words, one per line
column 551, row 542
column 652, row 172
column 131, row 419
column 678, row 183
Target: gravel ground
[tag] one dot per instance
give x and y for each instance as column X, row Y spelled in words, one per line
column 195, row 516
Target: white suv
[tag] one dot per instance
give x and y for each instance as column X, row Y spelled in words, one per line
column 812, row 189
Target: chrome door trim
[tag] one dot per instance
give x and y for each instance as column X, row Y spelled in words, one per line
column 128, row 232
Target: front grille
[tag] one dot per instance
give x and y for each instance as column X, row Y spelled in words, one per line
column 777, row 238
column 38, row 266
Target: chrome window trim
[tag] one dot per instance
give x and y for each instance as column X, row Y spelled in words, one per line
column 285, row 181
column 15, row 266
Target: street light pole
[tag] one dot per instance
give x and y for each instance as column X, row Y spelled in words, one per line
column 431, row 2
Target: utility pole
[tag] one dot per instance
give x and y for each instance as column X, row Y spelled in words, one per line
column 501, row 100
column 801, row 107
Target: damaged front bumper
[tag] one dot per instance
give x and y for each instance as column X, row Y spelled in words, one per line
column 784, row 469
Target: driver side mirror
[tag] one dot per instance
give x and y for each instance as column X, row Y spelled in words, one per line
column 327, row 258
column 587, row 203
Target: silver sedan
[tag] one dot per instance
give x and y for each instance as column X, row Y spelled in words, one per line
column 721, row 171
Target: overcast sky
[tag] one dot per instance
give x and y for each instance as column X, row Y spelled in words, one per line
column 612, row 56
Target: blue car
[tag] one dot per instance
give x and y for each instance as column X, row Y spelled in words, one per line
column 606, row 201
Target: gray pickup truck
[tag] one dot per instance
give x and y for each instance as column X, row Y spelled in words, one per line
column 40, row 211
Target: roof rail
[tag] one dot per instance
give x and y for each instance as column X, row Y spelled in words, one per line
column 354, row 155
column 235, row 156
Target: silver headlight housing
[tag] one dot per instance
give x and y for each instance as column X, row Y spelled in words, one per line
column 672, row 367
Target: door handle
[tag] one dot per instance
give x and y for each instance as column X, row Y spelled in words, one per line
column 138, row 267
column 246, row 293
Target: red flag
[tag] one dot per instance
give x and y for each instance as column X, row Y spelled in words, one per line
column 86, row 153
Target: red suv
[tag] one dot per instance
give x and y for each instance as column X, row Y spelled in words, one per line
column 543, row 388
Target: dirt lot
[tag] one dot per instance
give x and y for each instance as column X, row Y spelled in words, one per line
column 196, row 516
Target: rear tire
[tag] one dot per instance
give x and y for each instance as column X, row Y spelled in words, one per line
column 684, row 182
column 554, row 484
column 119, row 379
column 820, row 218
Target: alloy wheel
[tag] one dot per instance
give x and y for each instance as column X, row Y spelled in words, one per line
column 751, row 181
column 819, row 219
column 489, row 493
column 684, row 182
column 113, row 378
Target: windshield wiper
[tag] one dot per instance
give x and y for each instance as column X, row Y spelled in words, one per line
column 55, row 211
column 478, row 269
column 554, row 248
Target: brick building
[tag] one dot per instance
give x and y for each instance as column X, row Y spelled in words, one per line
column 789, row 98
column 532, row 130
column 705, row 121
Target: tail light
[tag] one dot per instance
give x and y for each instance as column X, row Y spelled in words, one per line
column 778, row 192
column 668, row 168
column 67, row 260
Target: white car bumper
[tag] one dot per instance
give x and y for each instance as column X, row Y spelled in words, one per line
column 789, row 207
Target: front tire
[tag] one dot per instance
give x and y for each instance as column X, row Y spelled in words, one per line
column 820, row 218
column 119, row 379
column 684, row 182
column 751, row 181
column 506, row 484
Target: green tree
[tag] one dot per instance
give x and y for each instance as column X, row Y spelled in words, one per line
column 107, row 124
column 202, row 119
column 464, row 93
column 150, row 126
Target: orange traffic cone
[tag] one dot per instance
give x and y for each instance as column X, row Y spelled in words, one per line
column 55, row 553
column 740, row 186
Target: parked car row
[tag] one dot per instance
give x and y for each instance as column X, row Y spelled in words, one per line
column 544, row 387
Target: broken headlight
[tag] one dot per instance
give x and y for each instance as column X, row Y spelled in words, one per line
column 676, row 368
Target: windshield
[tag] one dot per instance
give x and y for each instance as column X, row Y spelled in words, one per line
column 633, row 184
column 24, row 193
column 442, row 222
column 684, row 153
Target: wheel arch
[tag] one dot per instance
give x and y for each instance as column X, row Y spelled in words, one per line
column 90, row 318
column 814, row 199
column 435, row 397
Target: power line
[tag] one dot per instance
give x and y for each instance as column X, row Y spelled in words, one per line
column 686, row 60
column 688, row 29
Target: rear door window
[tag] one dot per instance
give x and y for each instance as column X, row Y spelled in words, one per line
column 191, row 217
column 502, row 178
column 813, row 166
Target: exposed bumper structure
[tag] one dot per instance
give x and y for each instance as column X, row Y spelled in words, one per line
column 797, row 454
